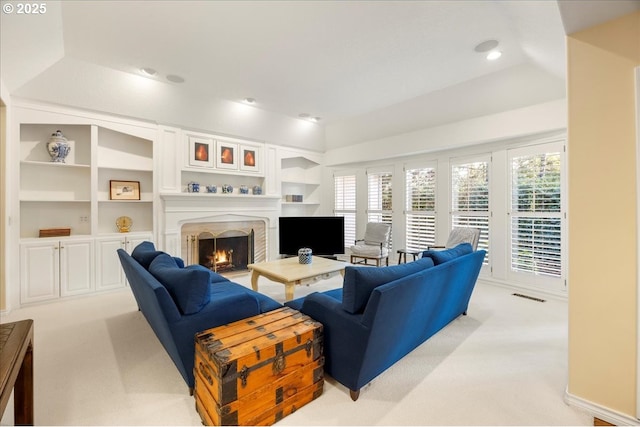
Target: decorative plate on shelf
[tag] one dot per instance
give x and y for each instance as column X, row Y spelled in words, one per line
column 124, row 224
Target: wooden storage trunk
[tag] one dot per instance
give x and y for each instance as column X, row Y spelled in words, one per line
column 258, row 370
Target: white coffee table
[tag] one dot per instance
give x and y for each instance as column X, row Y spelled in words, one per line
column 290, row 272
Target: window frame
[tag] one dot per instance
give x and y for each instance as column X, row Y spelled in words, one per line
column 542, row 281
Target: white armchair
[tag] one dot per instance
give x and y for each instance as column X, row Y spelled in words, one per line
column 374, row 246
column 461, row 235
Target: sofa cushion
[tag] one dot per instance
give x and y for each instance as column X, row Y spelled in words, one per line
column 439, row 257
column 359, row 282
column 189, row 288
column 213, row 276
column 144, row 253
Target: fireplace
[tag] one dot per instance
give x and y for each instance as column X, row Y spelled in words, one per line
column 187, row 215
column 224, row 247
column 231, row 250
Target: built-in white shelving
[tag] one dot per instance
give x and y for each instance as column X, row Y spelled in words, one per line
column 75, row 194
column 300, row 175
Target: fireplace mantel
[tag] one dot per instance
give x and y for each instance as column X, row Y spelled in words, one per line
column 186, row 208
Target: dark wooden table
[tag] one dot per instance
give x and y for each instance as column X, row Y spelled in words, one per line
column 403, row 253
column 16, row 369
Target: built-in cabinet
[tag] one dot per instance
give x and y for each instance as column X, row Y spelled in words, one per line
column 109, row 273
column 76, row 194
column 52, row 268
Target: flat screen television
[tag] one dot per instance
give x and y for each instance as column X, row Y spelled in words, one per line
column 323, row 234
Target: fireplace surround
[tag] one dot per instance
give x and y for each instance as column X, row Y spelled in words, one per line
column 220, row 215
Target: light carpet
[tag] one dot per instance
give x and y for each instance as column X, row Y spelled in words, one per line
column 97, row 362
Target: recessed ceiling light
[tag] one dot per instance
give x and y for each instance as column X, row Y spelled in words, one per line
column 486, row 46
column 250, row 100
column 148, row 71
column 175, row 79
column 493, row 55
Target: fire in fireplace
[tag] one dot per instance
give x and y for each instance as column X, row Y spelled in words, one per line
column 229, row 251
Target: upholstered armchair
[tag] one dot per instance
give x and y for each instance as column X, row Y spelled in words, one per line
column 374, row 246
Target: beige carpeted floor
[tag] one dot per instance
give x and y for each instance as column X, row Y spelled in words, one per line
column 97, row 362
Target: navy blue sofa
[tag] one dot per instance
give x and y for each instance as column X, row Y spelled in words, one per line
column 179, row 301
column 381, row 314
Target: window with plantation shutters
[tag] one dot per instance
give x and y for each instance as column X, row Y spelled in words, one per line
column 536, row 211
column 420, row 211
column 380, row 198
column 345, row 205
column 470, row 199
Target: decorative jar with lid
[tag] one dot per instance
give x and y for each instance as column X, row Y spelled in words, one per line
column 58, row 147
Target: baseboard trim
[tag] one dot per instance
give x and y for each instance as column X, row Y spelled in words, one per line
column 556, row 295
column 598, row 411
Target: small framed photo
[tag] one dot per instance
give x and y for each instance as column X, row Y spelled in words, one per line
column 124, row 190
column 250, row 158
column 200, row 152
column 226, row 155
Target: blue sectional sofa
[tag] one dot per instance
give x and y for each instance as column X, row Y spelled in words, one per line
column 381, row 314
column 180, row 301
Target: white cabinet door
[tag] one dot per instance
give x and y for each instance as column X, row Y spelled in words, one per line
column 76, row 267
column 39, row 271
column 109, row 271
column 134, row 240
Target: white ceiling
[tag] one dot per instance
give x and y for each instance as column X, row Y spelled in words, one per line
column 368, row 68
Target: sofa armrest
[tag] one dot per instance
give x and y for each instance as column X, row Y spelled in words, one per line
column 345, row 337
column 225, row 309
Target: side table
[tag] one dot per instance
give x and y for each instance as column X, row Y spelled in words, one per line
column 403, row 254
column 16, row 369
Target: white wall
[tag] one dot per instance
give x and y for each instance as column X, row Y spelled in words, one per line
column 532, row 120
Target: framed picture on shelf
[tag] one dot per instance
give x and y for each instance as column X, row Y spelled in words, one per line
column 124, row 190
column 250, row 158
column 200, row 152
column 226, row 155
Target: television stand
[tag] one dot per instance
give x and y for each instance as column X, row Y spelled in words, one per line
column 333, row 257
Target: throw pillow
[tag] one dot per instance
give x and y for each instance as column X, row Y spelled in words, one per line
column 189, row 288
column 359, row 282
column 144, row 253
column 448, row 254
column 213, row 276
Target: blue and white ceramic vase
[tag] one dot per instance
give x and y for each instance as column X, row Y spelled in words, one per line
column 58, row 147
column 193, row 187
column 304, row 255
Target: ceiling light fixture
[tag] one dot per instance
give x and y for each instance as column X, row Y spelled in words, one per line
column 175, row 78
column 493, row 55
column 486, row 46
column 249, row 101
column 147, row 71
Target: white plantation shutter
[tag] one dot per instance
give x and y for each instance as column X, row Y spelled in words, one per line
column 345, row 205
column 380, row 198
column 536, row 212
column 420, row 212
column 470, row 199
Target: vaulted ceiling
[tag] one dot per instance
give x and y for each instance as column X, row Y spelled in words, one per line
column 366, row 68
